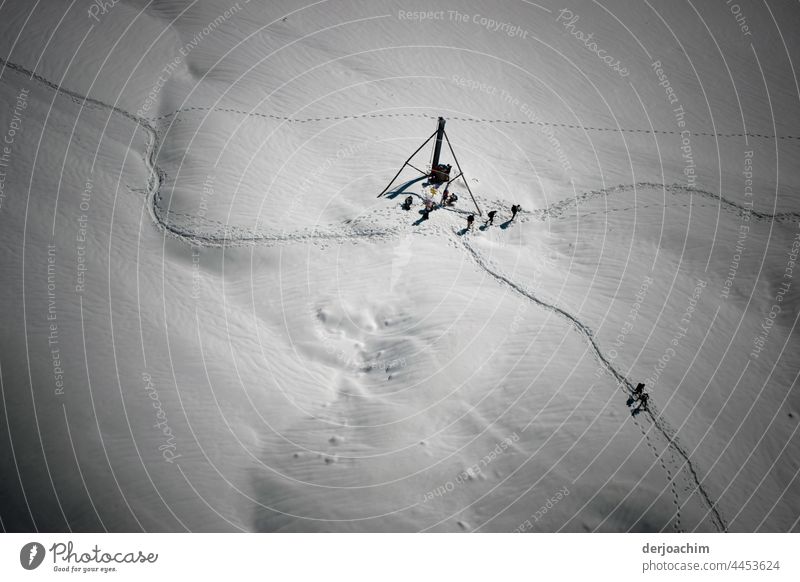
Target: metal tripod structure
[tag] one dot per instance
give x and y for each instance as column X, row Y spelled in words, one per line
column 440, row 134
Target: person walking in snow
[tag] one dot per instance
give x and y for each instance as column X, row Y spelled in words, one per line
column 408, row 202
column 643, row 402
column 470, row 220
column 514, row 209
column 491, row 214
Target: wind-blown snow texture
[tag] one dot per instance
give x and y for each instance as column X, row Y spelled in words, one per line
column 210, row 322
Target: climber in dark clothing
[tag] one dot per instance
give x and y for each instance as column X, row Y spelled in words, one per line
column 491, row 215
column 514, row 209
column 470, row 220
column 636, row 396
column 408, row 202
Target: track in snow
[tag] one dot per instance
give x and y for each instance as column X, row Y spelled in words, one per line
column 289, row 119
column 658, row 422
column 185, row 228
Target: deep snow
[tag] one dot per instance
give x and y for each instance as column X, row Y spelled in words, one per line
column 260, row 343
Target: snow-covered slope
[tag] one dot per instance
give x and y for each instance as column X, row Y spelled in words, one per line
column 211, row 322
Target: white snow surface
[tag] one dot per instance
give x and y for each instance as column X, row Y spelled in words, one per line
column 263, row 344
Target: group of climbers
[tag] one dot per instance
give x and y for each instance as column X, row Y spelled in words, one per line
column 449, row 200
